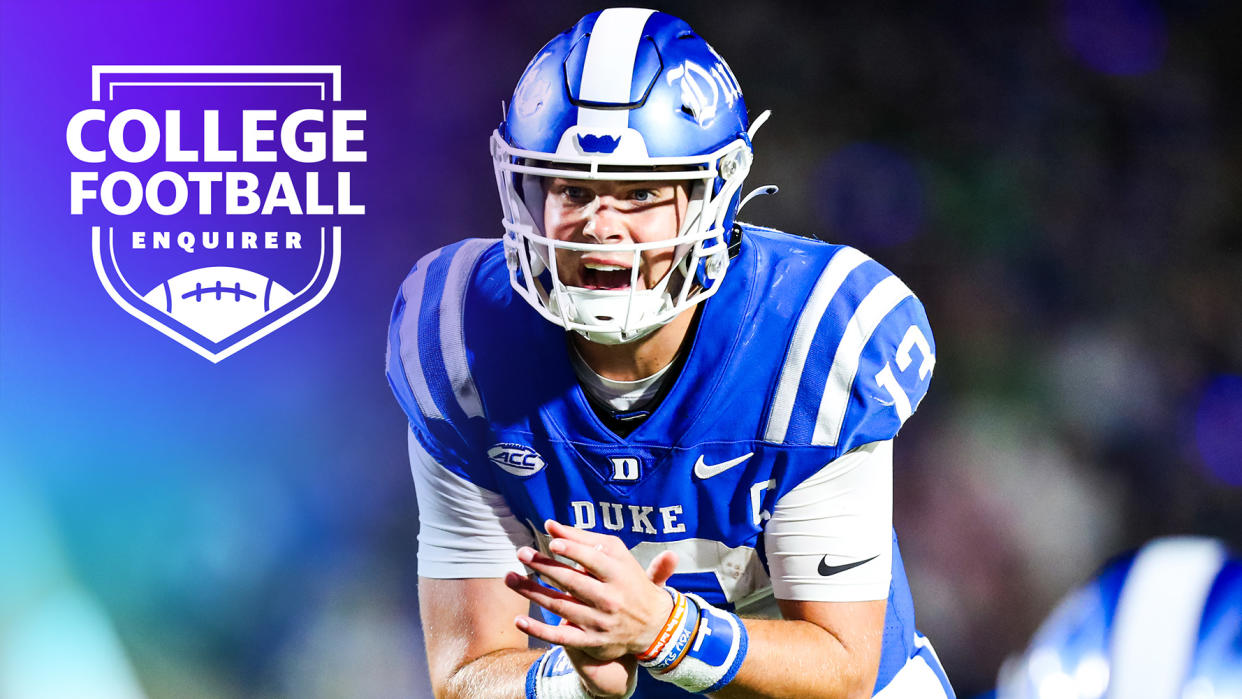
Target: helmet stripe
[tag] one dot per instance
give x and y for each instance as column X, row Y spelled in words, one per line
column 608, row 70
column 1157, row 620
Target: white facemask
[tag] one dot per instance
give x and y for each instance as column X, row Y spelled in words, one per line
column 613, row 316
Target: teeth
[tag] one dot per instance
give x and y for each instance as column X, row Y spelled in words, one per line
column 603, row 267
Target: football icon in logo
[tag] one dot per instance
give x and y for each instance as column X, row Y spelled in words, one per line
column 218, row 301
column 217, row 309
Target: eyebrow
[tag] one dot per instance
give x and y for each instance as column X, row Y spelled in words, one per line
column 626, row 184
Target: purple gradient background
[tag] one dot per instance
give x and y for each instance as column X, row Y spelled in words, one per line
column 213, row 511
column 1056, row 185
column 247, row 526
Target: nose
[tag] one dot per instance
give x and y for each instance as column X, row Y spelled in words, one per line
column 604, row 223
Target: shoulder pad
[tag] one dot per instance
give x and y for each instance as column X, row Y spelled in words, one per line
column 427, row 363
column 859, row 360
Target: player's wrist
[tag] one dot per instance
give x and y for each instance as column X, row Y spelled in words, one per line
column 554, row 676
column 675, row 636
column 600, row 679
column 630, row 686
column 705, row 652
column 657, row 621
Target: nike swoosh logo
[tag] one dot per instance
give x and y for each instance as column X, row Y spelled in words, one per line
column 704, row 471
column 825, row 569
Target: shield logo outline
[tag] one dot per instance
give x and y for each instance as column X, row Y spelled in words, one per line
column 132, row 301
column 226, row 339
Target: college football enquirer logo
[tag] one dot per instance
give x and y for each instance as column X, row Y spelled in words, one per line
column 215, row 194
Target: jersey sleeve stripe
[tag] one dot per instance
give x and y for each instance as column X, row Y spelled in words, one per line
column 452, row 336
column 830, row 281
column 393, row 365
column 410, row 328
column 879, row 302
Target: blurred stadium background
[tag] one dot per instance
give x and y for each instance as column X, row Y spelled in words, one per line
column 1058, row 181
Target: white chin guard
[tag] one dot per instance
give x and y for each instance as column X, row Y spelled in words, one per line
column 606, row 308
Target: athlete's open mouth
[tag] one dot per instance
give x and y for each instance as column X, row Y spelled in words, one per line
column 602, row 274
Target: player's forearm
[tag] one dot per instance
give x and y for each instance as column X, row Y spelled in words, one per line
column 500, row 674
column 799, row 659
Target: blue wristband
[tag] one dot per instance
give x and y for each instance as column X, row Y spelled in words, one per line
column 715, row 653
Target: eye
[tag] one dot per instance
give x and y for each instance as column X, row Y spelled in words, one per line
column 644, row 196
column 579, row 195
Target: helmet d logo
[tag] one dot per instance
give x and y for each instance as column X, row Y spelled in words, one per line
column 216, row 195
column 533, row 90
column 699, row 91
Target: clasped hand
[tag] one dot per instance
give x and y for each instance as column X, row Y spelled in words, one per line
column 610, row 606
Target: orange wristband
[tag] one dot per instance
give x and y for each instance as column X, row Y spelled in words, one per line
column 675, row 618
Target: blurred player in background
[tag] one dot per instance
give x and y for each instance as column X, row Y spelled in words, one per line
column 645, row 417
column 1163, row 622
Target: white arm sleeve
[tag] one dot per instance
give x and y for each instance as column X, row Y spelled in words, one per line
column 464, row 531
column 836, row 518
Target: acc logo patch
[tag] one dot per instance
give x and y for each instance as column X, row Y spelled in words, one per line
column 516, row 459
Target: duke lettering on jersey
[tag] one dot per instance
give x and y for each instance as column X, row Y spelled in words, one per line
column 615, row 517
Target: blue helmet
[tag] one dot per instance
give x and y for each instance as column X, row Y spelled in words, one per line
column 625, row 94
column 1164, row 622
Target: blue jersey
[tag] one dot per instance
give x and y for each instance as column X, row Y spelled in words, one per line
column 807, row 351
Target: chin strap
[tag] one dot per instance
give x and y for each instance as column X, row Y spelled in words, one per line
column 735, row 236
column 735, row 241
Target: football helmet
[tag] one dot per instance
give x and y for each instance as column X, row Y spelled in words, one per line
column 623, row 95
column 1164, row 622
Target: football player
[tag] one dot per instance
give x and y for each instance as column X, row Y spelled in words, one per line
column 1163, row 622
column 638, row 417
